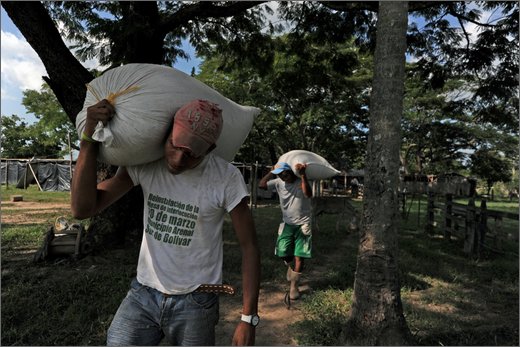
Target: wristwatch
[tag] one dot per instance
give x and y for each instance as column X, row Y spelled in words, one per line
column 252, row 319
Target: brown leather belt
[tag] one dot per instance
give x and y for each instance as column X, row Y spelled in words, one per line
column 216, row 288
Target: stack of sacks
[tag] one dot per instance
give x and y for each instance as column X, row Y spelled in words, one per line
column 318, row 168
column 146, row 97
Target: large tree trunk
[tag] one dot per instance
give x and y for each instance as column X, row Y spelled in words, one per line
column 377, row 316
column 67, row 79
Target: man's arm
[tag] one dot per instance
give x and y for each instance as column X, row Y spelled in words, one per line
column 245, row 230
column 263, row 181
column 306, row 187
column 87, row 197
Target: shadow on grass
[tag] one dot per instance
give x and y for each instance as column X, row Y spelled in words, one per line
column 70, row 303
column 448, row 298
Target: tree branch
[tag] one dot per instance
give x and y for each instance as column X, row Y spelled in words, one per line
column 462, row 17
column 205, row 9
column 373, row 6
column 465, row 34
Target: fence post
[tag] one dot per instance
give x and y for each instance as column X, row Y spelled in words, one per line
column 252, row 185
column 418, row 210
column 70, row 164
column 7, row 174
column 430, row 214
column 482, row 228
column 402, row 198
column 470, row 237
column 25, row 176
column 448, row 217
column 256, row 184
column 498, row 228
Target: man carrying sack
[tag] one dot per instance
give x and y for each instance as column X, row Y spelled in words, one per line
column 186, row 196
column 294, row 242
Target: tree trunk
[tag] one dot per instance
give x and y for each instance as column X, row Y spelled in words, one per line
column 142, row 38
column 376, row 317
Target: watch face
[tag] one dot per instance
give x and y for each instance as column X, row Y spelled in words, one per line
column 255, row 320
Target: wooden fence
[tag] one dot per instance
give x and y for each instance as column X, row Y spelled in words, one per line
column 479, row 227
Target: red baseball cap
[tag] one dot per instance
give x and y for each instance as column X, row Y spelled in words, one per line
column 197, row 126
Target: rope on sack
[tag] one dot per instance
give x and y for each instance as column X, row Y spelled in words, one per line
column 107, row 137
column 112, row 96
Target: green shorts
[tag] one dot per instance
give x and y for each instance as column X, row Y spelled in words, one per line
column 294, row 240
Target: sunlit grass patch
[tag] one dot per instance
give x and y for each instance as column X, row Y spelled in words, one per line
column 326, row 313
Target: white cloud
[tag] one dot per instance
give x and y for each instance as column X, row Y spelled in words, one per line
column 20, row 65
column 6, row 96
column 21, row 68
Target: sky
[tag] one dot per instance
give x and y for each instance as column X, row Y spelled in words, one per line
column 22, row 69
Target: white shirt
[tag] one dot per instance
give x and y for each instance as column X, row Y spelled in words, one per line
column 296, row 207
column 183, row 218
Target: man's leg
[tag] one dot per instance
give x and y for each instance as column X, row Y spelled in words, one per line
column 190, row 319
column 298, row 264
column 285, row 244
column 293, row 276
column 136, row 321
column 302, row 250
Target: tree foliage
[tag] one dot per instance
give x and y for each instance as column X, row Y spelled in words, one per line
column 123, row 32
column 312, row 98
column 449, row 111
column 491, row 166
column 457, row 48
column 52, row 119
column 47, row 137
column 22, row 140
column 486, row 61
column 152, row 32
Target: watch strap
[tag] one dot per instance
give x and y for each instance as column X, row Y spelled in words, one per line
column 249, row 319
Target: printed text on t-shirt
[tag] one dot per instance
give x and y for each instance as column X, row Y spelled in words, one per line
column 170, row 221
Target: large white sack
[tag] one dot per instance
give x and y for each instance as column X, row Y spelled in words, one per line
column 146, row 98
column 318, row 168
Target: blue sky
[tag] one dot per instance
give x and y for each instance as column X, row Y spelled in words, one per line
column 22, row 69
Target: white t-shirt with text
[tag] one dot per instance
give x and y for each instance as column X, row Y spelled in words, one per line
column 183, row 220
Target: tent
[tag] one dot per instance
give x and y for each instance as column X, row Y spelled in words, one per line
column 48, row 174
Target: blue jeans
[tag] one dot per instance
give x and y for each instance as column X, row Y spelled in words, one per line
column 146, row 316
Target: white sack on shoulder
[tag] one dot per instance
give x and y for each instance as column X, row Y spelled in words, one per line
column 150, row 96
column 318, row 168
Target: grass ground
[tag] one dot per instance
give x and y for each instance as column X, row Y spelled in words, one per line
column 448, row 298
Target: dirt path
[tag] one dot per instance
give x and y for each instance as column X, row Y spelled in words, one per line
column 30, row 212
column 275, row 317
